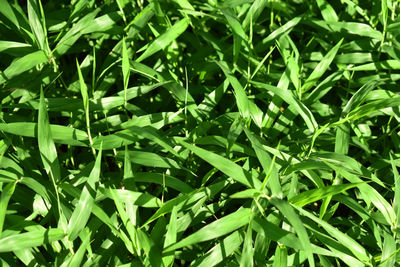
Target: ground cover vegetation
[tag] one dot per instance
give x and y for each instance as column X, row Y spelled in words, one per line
column 199, row 133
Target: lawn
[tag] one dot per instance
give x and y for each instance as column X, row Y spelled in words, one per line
column 199, row 133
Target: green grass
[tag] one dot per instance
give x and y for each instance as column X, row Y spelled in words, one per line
column 200, row 133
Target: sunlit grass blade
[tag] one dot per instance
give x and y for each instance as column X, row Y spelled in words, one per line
column 83, row 208
column 313, row 195
column 6, row 194
column 226, row 166
column 321, row 68
column 30, row 239
column 297, row 224
column 165, row 39
column 216, row 229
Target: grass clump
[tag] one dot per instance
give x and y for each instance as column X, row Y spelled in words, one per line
column 199, row 133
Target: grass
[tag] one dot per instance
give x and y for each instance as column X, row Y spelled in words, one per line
column 199, row 133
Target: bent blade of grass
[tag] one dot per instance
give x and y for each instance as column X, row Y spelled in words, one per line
column 218, row 228
column 289, row 98
column 321, row 68
column 297, row 224
column 165, row 39
column 30, row 239
column 6, row 194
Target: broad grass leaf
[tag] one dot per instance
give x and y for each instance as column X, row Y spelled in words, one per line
column 321, row 68
column 240, row 94
column 388, row 257
column 280, row 257
column 313, row 195
column 6, row 194
column 373, row 106
column 297, row 224
column 221, row 251
column 7, row 11
column 396, row 198
column 77, row 258
column 171, row 236
column 150, row 159
column 288, row 97
column 47, row 147
column 186, row 201
column 231, row 169
column 37, row 26
column 76, row 31
column 247, row 257
column 83, row 209
column 129, row 225
column 160, row 178
column 22, row 64
column 267, row 164
column 165, row 39
column 218, row 228
column 353, row 28
column 239, row 35
column 358, row 250
column 284, row 29
column 127, row 196
column 327, row 11
column 61, row 134
column 125, row 68
column 30, row 239
column 343, row 131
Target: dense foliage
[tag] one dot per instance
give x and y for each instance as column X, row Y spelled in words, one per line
column 201, row 133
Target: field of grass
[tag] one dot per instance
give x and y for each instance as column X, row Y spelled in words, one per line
column 199, row 133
